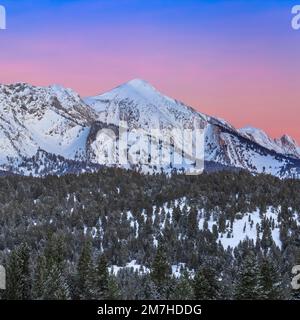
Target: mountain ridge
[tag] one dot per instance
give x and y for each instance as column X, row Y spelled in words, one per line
column 57, row 120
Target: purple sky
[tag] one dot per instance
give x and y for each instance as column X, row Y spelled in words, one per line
column 238, row 60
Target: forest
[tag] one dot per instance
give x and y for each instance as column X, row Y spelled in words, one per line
column 118, row 234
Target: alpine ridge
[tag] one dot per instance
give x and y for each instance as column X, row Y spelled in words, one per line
column 52, row 130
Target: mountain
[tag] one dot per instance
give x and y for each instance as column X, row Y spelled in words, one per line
column 53, row 118
column 142, row 106
column 288, row 146
column 285, row 145
column 145, row 111
column 51, row 130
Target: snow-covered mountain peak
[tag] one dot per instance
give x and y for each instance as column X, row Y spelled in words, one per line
column 251, row 130
column 288, row 145
column 141, row 105
column 51, row 118
column 288, row 140
column 259, row 136
column 285, row 145
column 59, row 90
column 140, row 84
column 255, row 134
column 141, row 89
column 136, row 89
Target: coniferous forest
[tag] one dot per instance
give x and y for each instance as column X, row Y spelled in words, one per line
column 118, row 234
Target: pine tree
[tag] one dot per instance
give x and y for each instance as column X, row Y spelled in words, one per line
column 113, row 291
column 150, row 289
column 267, row 239
column 102, row 278
column 24, row 253
column 160, row 272
column 18, row 275
column 192, row 226
column 39, row 278
column 86, row 274
column 248, row 285
column 56, row 286
column 183, row 289
column 206, row 284
column 14, row 278
column 55, row 252
column 270, row 284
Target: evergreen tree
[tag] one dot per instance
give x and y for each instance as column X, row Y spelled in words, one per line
column 113, row 291
column 183, row 289
column 18, row 275
column 55, row 251
column 206, row 284
column 160, row 272
column 267, row 239
column 102, row 278
column 39, row 278
column 270, row 284
column 86, row 274
column 248, row 286
column 56, row 286
column 14, row 286
column 150, row 289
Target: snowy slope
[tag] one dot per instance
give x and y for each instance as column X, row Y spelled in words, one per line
column 260, row 137
column 247, row 228
column 53, row 119
column 142, row 106
column 285, row 145
column 58, row 122
column 288, row 146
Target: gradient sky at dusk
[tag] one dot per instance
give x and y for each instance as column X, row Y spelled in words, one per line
column 239, row 60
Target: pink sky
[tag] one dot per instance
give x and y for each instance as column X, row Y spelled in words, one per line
column 248, row 76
